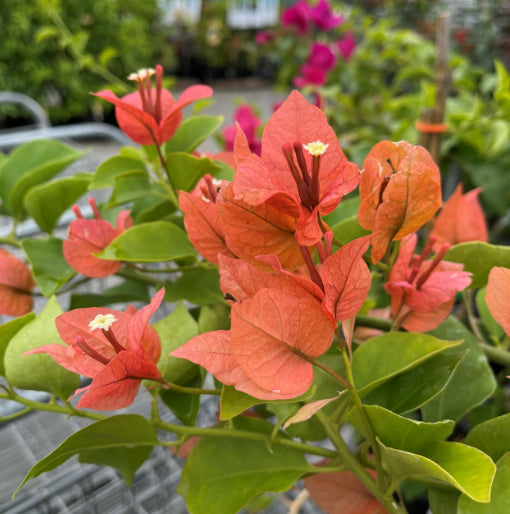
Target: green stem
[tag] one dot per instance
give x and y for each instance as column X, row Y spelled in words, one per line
column 173, row 191
column 51, row 407
column 11, row 240
column 188, row 390
column 368, row 426
column 371, row 322
column 354, row 465
column 244, row 434
column 494, row 354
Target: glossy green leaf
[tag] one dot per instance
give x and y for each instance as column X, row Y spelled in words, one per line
column 348, row 229
column 186, row 170
column 127, row 291
column 128, row 187
column 174, row 330
column 192, row 132
column 500, row 495
column 149, row 242
column 47, row 202
column 29, row 165
column 249, row 468
column 184, row 405
column 443, row 501
column 117, row 165
column 387, row 355
column 479, row 258
column 199, row 286
column 410, row 390
column 7, row 331
column 123, row 442
column 467, row 469
column 214, row 317
column 39, row 371
column 49, row 267
column 472, row 382
column 491, row 436
column 399, row 432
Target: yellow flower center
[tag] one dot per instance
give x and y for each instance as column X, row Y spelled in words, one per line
column 102, row 321
column 316, row 148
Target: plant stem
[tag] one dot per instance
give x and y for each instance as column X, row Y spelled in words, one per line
column 494, row 354
column 52, row 407
column 354, row 465
column 372, row 322
column 244, row 434
column 188, row 390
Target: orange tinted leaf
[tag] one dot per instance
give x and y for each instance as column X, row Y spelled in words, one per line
column 400, row 191
column 270, row 332
column 16, row 284
column 213, row 352
column 203, row 226
column 346, row 279
column 461, row 219
column 261, row 230
column 342, row 493
column 497, row 298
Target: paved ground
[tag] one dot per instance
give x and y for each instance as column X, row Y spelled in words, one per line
column 80, row 489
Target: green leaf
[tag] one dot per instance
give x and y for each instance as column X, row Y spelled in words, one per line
column 123, row 442
column 500, row 495
column 249, row 468
column 39, row 372
column 174, row 330
column 111, row 168
column 127, row 291
column 491, row 437
column 8, row 331
column 149, row 242
column 412, row 389
column 348, row 230
column 129, row 186
column 479, row 258
column 192, row 132
column 29, row 165
column 186, row 170
column 443, row 501
column 399, row 432
column 472, row 382
column 387, row 355
column 185, row 406
column 197, row 286
column 467, row 469
column 214, row 317
column 49, row 267
column 47, row 202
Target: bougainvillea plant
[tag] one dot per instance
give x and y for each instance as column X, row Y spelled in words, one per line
column 302, row 294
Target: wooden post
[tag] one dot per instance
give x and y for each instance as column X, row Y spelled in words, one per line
column 431, row 139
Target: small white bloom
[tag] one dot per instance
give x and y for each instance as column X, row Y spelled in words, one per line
column 316, row 148
column 102, row 321
column 142, row 74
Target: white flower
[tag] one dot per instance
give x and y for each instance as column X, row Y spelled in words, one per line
column 142, row 74
column 102, row 321
column 316, row 148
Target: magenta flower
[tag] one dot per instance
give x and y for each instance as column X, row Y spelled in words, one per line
column 321, row 57
column 264, row 36
column 323, row 17
column 310, row 76
column 249, row 122
column 347, row 45
column 297, row 16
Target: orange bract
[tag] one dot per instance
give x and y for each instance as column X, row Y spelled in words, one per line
column 461, row 219
column 400, row 190
column 496, row 296
column 16, row 284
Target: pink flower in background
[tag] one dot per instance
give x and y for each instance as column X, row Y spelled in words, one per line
column 264, row 36
column 87, row 237
column 323, row 17
column 347, row 45
column 321, row 56
column 297, row 16
column 249, row 122
column 320, row 60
